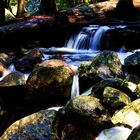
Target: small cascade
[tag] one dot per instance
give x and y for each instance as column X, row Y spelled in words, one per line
column 75, row 86
column 87, row 39
column 95, row 42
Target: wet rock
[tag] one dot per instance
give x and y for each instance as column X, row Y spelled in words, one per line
column 73, row 131
column 27, row 63
column 137, row 91
column 5, row 112
column 110, row 61
column 132, row 78
column 88, row 111
column 130, row 114
column 13, row 79
column 135, row 134
column 132, row 63
column 104, row 65
column 117, row 83
column 51, row 79
column 12, row 88
column 39, row 125
column 115, row 99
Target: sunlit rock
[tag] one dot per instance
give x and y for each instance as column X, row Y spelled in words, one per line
column 51, row 77
column 114, row 98
column 130, row 114
column 88, row 111
column 27, row 63
column 39, row 126
column 135, row 134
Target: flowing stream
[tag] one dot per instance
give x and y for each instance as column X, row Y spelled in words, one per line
column 80, row 48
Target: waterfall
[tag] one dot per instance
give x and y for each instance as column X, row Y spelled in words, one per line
column 75, row 86
column 96, row 40
column 88, row 38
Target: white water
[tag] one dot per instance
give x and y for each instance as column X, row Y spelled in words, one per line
column 11, row 69
column 75, row 86
column 88, row 38
column 96, row 40
column 115, row 133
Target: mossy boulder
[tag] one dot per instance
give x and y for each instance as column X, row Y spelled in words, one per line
column 51, row 77
column 129, row 114
column 115, row 99
column 110, row 61
column 88, row 111
column 117, row 83
column 104, row 65
column 35, row 126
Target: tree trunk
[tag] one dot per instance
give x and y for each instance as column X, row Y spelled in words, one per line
column 20, row 10
column 48, row 7
column 125, row 9
column 2, row 11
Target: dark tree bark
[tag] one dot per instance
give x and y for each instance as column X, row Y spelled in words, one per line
column 2, row 11
column 20, row 10
column 125, row 9
column 48, row 7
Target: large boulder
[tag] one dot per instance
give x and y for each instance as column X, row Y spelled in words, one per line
column 50, row 78
column 115, row 99
column 88, row 111
column 130, row 114
column 35, row 126
column 104, row 65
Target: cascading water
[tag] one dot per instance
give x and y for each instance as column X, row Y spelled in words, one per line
column 75, row 86
column 88, row 38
